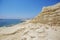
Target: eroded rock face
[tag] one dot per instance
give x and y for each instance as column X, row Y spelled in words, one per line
column 30, row 31
column 49, row 15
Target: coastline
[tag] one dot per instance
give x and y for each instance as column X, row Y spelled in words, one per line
column 34, row 29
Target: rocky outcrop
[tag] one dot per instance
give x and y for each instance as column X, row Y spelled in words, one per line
column 50, row 15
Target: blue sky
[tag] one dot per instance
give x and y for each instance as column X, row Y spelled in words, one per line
column 23, row 8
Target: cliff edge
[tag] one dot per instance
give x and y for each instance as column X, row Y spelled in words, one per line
column 50, row 15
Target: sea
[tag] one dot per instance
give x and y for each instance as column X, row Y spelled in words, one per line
column 9, row 22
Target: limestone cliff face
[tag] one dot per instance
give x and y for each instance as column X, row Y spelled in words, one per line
column 50, row 15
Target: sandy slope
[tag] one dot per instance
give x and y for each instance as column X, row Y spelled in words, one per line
column 36, row 29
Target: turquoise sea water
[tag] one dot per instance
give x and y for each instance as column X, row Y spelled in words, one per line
column 9, row 22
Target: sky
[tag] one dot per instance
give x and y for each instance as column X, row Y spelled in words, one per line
column 12, row 9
